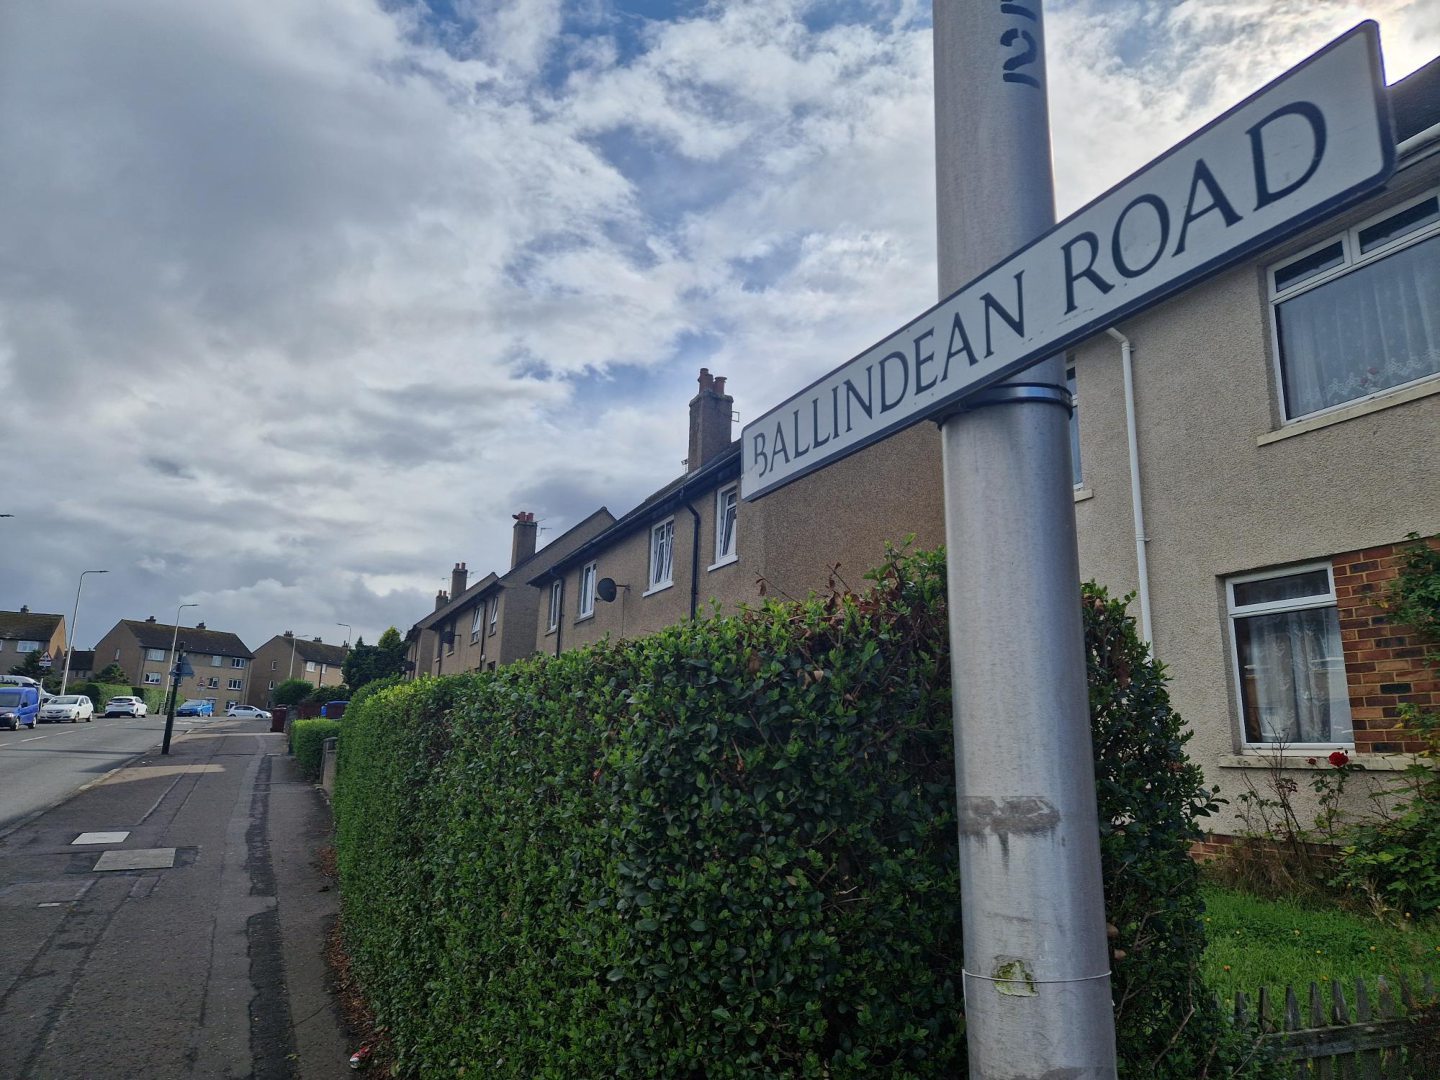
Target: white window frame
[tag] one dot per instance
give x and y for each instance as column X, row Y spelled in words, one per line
column 729, row 493
column 1352, row 260
column 272, row 685
column 29, row 646
column 274, row 665
column 236, row 684
column 494, row 615
column 477, row 622
column 217, row 661
column 237, row 661
column 152, row 678
column 586, row 601
column 662, row 556
column 557, row 598
column 309, row 666
column 212, row 683
column 155, row 655
column 1245, row 611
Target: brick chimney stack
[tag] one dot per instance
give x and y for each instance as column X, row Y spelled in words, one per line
column 710, row 411
column 523, row 546
column 441, row 599
column 458, row 577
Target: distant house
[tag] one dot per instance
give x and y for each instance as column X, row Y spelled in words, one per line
column 27, row 631
column 220, row 660
column 286, row 656
column 493, row 622
column 82, row 665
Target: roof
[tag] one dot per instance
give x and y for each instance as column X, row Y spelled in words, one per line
column 1415, row 101
column 721, row 469
column 27, row 625
column 158, row 635
column 540, row 562
column 315, row 651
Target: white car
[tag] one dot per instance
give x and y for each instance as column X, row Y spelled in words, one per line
column 125, row 706
column 247, row 712
column 72, row 707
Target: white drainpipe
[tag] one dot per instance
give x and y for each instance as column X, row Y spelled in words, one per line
column 1142, row 565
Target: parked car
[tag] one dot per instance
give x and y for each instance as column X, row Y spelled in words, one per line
column 196, row 707
column 247, row 712
column 125, row 706
column 72, row 707
column 19, row 707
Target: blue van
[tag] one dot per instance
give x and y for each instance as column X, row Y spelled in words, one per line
column 19, row 706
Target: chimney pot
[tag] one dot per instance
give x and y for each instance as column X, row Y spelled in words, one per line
column 441, row 599
column 710, row 411
column 199, row 626
column 24, row 609
column 459, row 577
column 150, row 619
column 288, row 633
column 522, row 546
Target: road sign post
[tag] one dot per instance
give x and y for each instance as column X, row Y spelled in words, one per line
column 180, row 669
column 1036, row 974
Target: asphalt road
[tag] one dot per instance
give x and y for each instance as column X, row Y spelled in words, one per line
column 39, row 768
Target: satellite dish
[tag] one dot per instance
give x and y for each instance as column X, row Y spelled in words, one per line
column 605, row 589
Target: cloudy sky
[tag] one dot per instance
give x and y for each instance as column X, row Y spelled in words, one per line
column 301, row 300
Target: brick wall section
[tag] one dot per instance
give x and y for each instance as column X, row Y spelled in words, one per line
column 1384, row 663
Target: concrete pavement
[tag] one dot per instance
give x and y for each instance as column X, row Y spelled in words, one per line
column 209, row 964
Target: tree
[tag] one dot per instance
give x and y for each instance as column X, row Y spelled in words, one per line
column 30, row 666
column 113, row 674
column 366, row 663
column 291, row 692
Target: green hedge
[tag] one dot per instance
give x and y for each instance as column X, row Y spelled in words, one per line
column 99, row 692
column 728, row 850
column 307, row 738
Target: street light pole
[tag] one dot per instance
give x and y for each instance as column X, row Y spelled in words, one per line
column 174, row 637
column 347, row 632
column 74, row 620
column 294, row 638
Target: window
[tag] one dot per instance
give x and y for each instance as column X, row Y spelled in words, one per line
column 213, row 683
column 274, row 665
column 587, row 592
column 1076, row 476
column 237, row 661
column 235, row 684
column 154, row 654
column 449, row 638
column 152, row 678
column 662, row 550
column 727, row 505
column 477, row 622
column 494, row 613
column 1356, row 315
column 309, row 665
column 231, row 703
column 117, row 654
column 28, row 646
column 271, row 686
column 557, row 588
column 1285, row 630
column 217, row 661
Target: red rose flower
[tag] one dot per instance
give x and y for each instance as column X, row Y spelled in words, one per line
column 1339, row 758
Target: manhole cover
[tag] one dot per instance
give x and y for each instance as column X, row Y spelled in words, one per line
column 158, row 858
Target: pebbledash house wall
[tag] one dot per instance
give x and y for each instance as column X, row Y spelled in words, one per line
column 1231, row 488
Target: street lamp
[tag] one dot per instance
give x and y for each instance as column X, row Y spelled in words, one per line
column 294, row 640
column 173, row 639
column 347, row 632
column 74, row 621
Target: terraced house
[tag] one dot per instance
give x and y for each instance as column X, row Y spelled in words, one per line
column 286, row 656
column 221, row 661
column 23, row 632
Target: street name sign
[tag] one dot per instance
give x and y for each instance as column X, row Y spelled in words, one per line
column 1312, row 141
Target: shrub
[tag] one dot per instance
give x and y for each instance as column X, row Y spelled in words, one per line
column 99, row 692
column 307, row 738
column 729, row 850
column 291, row 692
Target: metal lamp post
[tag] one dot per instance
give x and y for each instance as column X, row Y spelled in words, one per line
column 74, row 620
column 294, row 640
column 174, row 637
column 347, row 632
